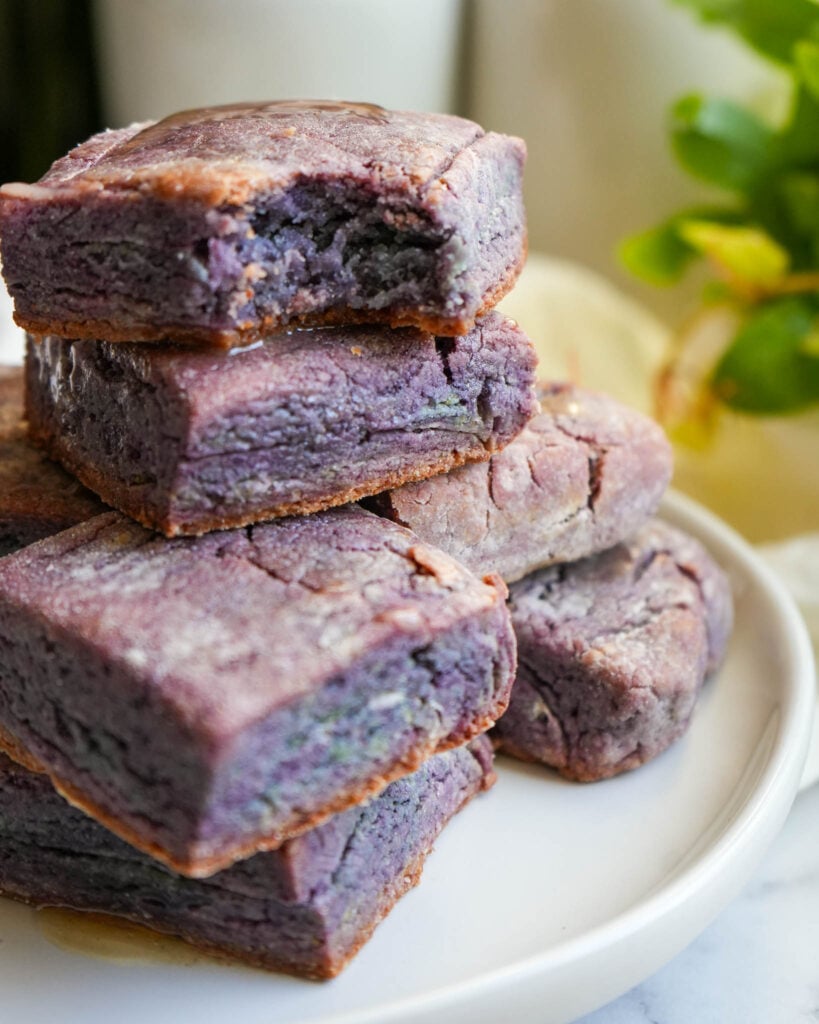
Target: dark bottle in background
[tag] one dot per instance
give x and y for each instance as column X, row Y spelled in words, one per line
column 49, row 98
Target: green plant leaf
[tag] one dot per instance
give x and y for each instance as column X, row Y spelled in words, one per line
column 810, row 346
column 771, row 366
column 797, row 144
column 806, row 60
column 745, row 252
column 658, row 256
column 800, row 192
column 720, row 142
column 661, row 255
column 772, row 27
column 716, row 293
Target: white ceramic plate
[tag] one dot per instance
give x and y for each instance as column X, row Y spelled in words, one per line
column 544, row 899
column 810, row 775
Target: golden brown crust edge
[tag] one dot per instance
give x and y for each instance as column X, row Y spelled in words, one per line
column 17, row 752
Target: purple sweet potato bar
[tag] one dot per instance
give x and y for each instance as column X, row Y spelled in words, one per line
column 305, row 908
column 225, row 223
column 208, row 697
column 612, row 653
column 582, row 476
column 187, row 441
column 37, row 498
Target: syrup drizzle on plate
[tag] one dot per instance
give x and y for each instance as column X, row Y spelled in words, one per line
column 115, row 939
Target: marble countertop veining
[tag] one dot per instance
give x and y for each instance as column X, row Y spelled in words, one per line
column 758, row 961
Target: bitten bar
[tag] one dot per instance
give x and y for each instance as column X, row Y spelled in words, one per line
column 612, row 653
column 305, row 908
column 223, row 224
column 187, row 441
column 205, row 698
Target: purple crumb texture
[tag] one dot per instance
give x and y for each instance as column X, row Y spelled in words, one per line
column 581, row 476
column 612, row 653
column 239, row 219
column 185, row 440
column 207, row 696
column 305, row 908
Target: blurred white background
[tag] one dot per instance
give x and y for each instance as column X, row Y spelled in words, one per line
column 587, row 83
column 159, row 56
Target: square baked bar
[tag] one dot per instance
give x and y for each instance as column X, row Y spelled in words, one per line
column 208, row 697
column 580, row 477
column 305, row 908
column 187, row 441
column 613, row 651
column 227, row 223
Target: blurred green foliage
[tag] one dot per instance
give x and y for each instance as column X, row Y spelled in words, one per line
column 762, row 243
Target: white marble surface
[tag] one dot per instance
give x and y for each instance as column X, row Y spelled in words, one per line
column 758, row 962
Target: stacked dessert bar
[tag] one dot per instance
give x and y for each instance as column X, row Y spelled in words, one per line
column 263, row 701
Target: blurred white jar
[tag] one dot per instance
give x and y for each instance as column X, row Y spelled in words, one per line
column 158, row 56
column 588, row 84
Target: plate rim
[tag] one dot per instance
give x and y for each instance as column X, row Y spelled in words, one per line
column 762, row 813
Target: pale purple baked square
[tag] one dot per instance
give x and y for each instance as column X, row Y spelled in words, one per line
column 581, row 476
column 612, row 652
column 222, row 224
column 207, row 697
column 186, row 440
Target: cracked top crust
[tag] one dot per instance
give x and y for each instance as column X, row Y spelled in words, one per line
column 630, row 606
column 261, row 616
column 585, row 473
column 226, row 154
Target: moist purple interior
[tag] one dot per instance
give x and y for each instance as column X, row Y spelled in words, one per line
column 359, row 250
column 304, row 908
column 332, row 242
